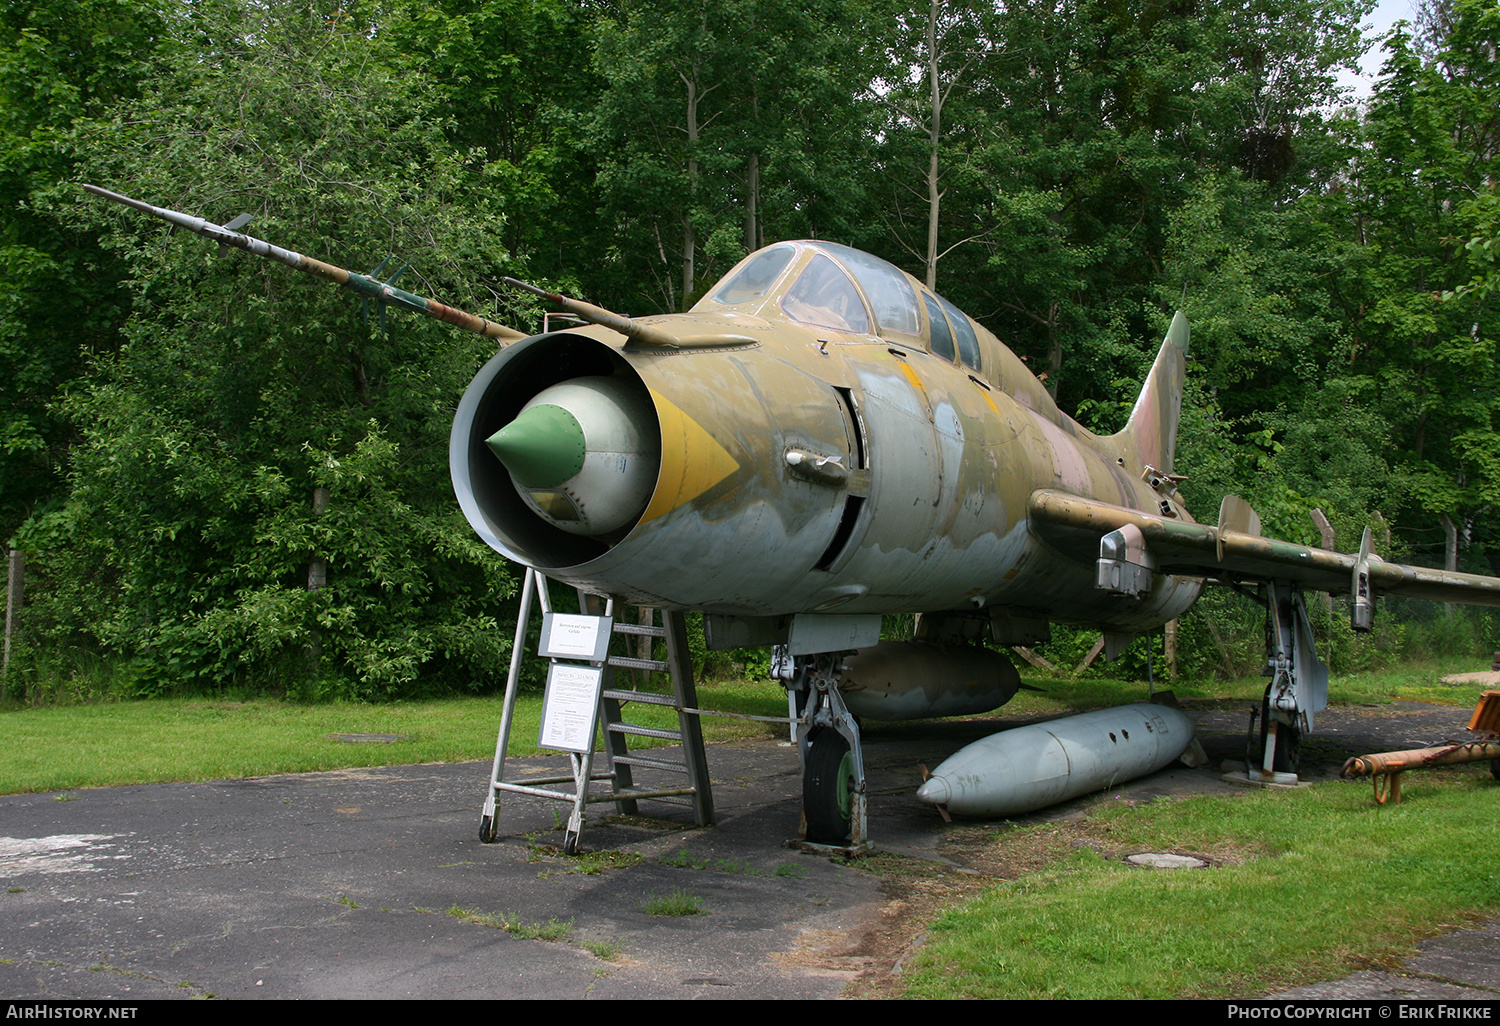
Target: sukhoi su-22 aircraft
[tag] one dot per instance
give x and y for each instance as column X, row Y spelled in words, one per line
column 822, row 440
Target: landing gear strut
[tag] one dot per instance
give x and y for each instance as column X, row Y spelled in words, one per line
column 833, row 769
column 1298, row 688
column 1281, row 735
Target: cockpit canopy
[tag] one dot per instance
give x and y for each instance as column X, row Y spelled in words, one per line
column 831, row 286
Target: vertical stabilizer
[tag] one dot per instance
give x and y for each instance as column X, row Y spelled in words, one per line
column 1152, row 428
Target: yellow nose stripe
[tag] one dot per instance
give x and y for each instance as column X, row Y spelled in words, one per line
column 692, row 462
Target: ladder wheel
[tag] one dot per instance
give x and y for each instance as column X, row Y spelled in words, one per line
column 827, row 784
column 487, row 830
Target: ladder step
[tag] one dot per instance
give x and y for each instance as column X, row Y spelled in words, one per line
column 640, row 628
column 650, row 763
column 629, row 663
column 640, row 731
column 673, row 795
column 642, row 794
column 649, row 697
column 686, row 803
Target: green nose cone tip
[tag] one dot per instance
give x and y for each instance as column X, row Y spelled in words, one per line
column 542, row 448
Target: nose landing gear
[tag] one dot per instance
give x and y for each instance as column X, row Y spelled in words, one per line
column 833, row 771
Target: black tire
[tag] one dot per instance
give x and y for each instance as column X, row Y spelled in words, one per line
column 827, row 786
column 1495, row 768
column 487, row 831
column 1288, row 755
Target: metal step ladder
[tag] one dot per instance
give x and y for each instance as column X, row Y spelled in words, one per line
column 620, row 763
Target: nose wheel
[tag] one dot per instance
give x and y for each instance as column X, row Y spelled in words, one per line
column 833, row 773
column 828, row 788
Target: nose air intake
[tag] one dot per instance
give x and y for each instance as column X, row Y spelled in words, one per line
column 582, row 454
column 555, row 450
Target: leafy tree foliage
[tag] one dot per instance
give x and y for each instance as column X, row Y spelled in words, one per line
column 239, row 389
column 514, row 83
column 1068, row 171
column 1101, row 119
column 1430, row 153
column 722, row 126
column 59, row 292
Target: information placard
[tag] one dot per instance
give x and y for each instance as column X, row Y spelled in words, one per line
column 571, row 636
column 570, row 707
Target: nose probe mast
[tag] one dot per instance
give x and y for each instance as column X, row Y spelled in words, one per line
column 365, row 285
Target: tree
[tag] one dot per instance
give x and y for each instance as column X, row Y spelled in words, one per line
column 241, row 388
column 60, row 297
column 1415, row 197
column 930, row 53
column 515, row 82
column 1093, row 121
column 722, row 125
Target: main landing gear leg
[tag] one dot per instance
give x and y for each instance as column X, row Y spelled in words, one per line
column 833, row 768
column 1298, row 688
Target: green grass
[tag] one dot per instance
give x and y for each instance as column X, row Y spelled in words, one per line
column 59, row 748
column 55, row 748
column 604, row 950
column 1333, row 881
column 677, row 903
column 587, row 863
column 551, row 930
column 1310, row 885
column 680, row 859
column 1413, row 682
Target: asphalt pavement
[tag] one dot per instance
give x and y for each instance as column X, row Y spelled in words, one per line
column 373, row 883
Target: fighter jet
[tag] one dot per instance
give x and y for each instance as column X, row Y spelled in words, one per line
column 822, row 440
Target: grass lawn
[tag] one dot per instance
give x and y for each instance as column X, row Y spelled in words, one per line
column 1304, row 886
column 55, row 748
column 63, row 747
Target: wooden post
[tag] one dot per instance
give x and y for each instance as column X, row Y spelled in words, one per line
column 1031, row 657
column 1093, row 654
column 13, row 592
column 317, row 570
column 1450, row 552
column 645, row 616
column 317, row 580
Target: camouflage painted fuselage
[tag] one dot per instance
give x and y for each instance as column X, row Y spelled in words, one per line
column 805, row 467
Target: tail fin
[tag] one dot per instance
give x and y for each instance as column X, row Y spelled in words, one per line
column 1152, row 428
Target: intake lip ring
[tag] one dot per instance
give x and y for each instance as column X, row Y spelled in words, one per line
column 485, row 491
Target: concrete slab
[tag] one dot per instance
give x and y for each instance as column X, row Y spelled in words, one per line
column 1460, row 966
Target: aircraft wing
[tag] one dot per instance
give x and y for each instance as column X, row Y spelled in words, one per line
column 1234, row 550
